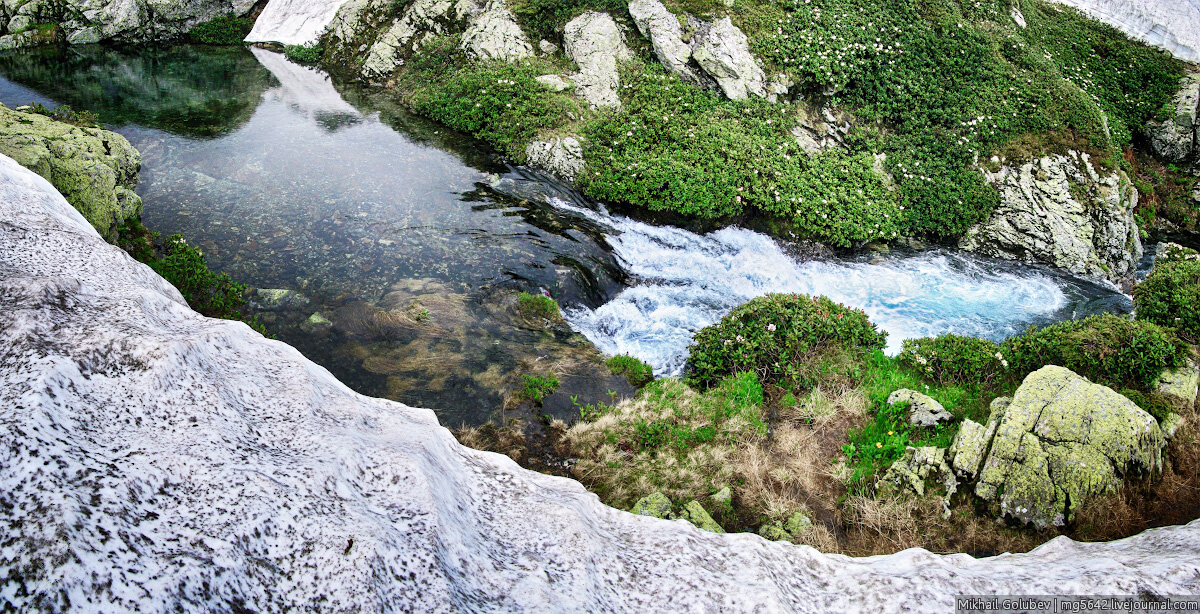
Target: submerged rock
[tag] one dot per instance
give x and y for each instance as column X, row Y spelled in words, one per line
column 198, row 466
column 594, row 42
column 923, row 410
column 1059, row 210
column 1060, row 441
column 494, row 34
column 95, row 169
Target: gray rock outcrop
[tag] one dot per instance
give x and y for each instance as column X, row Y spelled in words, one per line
column 420, row 17
column 561, row 156
column 1059, row 210
column 1176, row 138
column 662, row 28
column 127, row 21
column 493, row 33
column 594, row 42
column 198, row 466
column 923, row 410
column 1060, row 441
column 723, row 51
column 95, row 169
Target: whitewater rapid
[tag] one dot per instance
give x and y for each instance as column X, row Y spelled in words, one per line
column 683, row 281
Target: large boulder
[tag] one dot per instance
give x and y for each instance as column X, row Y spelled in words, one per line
column 493, row 33
column 156, row 460
column 594, row 42
column 923, row 410
column 662, row 28
column 1059, row 210
column 419, row 18
column 561, row 156
column 1176, row 137
column 1060, row 441
column 95, row 169
column 723, row 51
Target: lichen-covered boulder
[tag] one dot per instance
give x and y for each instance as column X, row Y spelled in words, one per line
column 402, row 37
column 662, row 28
column 923, row 410
column 561, row 156
column 1061, row 440
column 655, row 505
column 723, row 51
column 1182, row 383
column 910, row 472
column 553, row 83
column 695, row 513
column 594, row 42
column 95, row 169
column 1175, row 137
column 1060, row 210
column 493, row 33
column 970, row 445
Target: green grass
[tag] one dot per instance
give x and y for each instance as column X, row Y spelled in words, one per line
column 303, row 54
column 537, row 387
column 537, row 306
column 637, row 372
column 228, row 29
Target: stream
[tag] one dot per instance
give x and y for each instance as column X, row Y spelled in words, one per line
column 412, row 240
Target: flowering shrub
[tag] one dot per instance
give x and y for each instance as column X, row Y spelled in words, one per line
column 774, row 335
column 1107, row 349
column 952, row 359
column 1170, row 294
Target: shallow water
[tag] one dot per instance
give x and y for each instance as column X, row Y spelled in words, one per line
column 372, row 215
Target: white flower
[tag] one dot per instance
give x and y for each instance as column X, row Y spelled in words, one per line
column 771, row 327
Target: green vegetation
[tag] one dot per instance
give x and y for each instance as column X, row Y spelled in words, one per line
column 546, row 18
column 64, row 113
column 228, row 29
column 1107, row 349
column 777, row 336
column 1170, row 295
column 537, row 306
column 499, row 102
column 212, row 294
column 537, row 387
column 303, row 54
column 953, row 359
column 637, row 372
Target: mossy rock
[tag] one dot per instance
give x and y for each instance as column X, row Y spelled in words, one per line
column 656, row 505
column 695, row 513
column 94, row 169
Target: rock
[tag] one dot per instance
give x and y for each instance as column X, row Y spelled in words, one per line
column 554, row 83
column 775, row 532
column 1166, row 24
column 192, row 462
column 95, row 169
column 909, row 473
column 723, row 498
column 662, row 28
column 274, row 299
column 694, row 513
column 777, row 86
column 315, row 323
column 561, row 156
column 1061, row 440
column 723, row 51
column 971, row 444
column 124, row 21
column 821, row 128
column 547, row 47
column 797, row 524
column 923, row 410
column 1182, row 383
column 656, row 505
column 594, row 42
column 293, row 22
column 1058, row 210
column 494, row 34
column 1170, row 425
column 1017, row 16
column 22, row 35
column 1175, row 138
column 421, row 17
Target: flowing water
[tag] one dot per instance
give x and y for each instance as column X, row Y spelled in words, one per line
column 412, row 240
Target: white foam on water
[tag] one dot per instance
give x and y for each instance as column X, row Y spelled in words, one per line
column 684, row 281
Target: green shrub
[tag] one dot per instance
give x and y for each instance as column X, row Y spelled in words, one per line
column 1170, row 296
column 953, row 359
column 1107, row 349
column 64, row 113
column 537, row 387
column 637, row 372
column 774, row 335
column 303, row 54
column 536, row 306
column 228, row 29
column 212, row 294
column 546, row 18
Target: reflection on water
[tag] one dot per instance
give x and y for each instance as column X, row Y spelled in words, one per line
column 371, row 215
column 401, row 244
